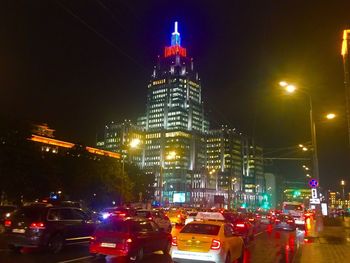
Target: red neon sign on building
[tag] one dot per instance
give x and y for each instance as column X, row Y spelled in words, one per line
column 174, row 50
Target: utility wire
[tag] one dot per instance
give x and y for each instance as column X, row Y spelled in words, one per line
column 69, row 11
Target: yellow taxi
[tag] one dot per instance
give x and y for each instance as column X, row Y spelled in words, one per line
column 208, row 239
column 177, row 216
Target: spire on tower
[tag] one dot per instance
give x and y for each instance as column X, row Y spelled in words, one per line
column 175, row 47
column 175, row 36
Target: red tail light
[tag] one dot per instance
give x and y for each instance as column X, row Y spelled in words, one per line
column 215, row 244
column 306, row 240
column 92, row 238
column 277, row 220
column 122, row 214
column 290, row 221
column 8, row 223
column 129, row 240
column 37, row 225
column 150, row 218
column 174, row 241
column 251, row 219
column 240, row 225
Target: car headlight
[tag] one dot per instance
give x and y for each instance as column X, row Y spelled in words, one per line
column 105, row 215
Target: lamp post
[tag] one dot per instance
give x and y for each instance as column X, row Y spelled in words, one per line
column 291, row 89
column 342, row 183
column 170, row 156
column 134, row 144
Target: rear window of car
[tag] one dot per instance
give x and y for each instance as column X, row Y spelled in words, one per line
column 204, row 229
column 113, row 226
column 143, row 213
column 6, row 209
column 30, row 213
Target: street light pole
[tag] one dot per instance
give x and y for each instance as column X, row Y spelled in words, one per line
column 313, row 141
column 291, row 89
column 342, row 183
column 161, row 183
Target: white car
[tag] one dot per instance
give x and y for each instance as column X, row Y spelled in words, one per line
column 157, row 216
column 190, row 217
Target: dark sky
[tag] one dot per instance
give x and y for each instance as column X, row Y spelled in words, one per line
column 77, row 64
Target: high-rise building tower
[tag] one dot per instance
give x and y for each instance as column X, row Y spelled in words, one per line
column 174, row 122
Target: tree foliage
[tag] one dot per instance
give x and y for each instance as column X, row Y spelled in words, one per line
column 28, row 172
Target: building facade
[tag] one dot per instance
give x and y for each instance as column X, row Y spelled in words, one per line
column 124, row 138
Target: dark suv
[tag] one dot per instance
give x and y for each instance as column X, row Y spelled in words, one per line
column 44, row 225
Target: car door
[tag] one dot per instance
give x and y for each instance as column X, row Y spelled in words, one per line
column 67, row 224
column 232, row 242
column 85, row 227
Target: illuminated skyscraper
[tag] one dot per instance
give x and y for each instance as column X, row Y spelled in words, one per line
column 175, row 123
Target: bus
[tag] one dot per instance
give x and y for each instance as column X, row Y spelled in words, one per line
column 296, row 210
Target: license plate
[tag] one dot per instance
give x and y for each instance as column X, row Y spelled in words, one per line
column 111, row 245
column 20, row 231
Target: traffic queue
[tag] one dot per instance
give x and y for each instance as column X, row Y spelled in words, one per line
column 186, row 234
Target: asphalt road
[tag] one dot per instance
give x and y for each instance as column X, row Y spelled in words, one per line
column 268, row 246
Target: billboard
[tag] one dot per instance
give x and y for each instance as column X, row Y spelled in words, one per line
column 179, row 197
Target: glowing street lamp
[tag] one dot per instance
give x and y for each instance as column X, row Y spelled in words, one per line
column 331, row 116
column 135, row 143
column 290, row 88
column 283, row 84
column 171, row 155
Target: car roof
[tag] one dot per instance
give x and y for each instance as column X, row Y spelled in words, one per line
column 207, row 222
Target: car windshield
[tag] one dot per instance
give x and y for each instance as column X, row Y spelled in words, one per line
column 204, row 229
column 6, row 209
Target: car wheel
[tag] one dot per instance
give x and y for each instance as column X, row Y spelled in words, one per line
column 167, row 248
column 241, row 258
column 14, row 249
column 228, row 258
column 55, row 244
column 137, row 257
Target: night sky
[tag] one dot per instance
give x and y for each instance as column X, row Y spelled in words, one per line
column 78, row 64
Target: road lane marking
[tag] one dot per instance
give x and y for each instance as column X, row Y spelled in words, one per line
column 75, row 259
